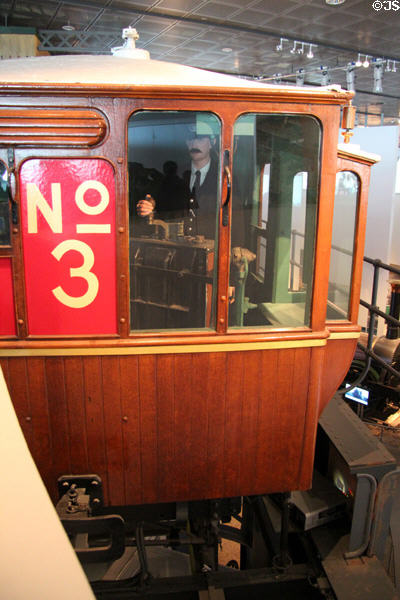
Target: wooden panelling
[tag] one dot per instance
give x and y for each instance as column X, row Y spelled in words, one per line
column 130, row 405
column 170, row 427
column 95, row 430
column 53, row 127
column 337, row 360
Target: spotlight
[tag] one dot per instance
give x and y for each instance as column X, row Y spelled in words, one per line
column 300, row 75
column 310, row 53
column 366, row 62
column 294, row 49
column 325, row 75
column 301, row 50
column 378, row 69
column 358, row 61
column 279, row 47
column 394, row 70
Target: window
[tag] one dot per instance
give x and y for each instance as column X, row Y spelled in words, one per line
column 174, row 171
column 274, row 204
column 5, row 239
column 343, row 237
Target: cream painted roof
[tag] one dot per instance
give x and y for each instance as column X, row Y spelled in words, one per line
column 112, row 70
column 355, row 150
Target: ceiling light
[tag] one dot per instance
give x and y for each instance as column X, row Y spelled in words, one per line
column 68, row 27
column 294, row 49
column 310, row 53
column 358, row 61
column 366, row 63
column 335, row 2
column 226, row 49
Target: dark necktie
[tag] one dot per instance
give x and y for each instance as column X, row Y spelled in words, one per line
column 196, row 186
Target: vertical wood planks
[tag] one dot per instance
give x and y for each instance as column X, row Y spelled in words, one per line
column 18, row 384
column 113, row 428
column 130, row 406
column 75, row 400
column 215, row 386
column 166, row 466
column 250, row 419
column 95, row 431
column 58, row 412
column 233, row 422
column 198, row 414
column 41, row 446
column 269, row 419
column 148, row 426
column 160, row 428
column 315, row 380
column 181, row 426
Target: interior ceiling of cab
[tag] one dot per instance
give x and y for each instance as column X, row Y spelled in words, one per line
column 300, row 42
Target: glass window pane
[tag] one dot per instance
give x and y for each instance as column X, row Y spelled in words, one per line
column 343, row 237
column 5, row 239
column 174, row 172
column 274, row 208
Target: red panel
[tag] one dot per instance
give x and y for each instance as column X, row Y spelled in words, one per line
column 68, row 226
column 7, row 313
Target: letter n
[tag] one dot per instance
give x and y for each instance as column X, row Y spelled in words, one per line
column 36, row 202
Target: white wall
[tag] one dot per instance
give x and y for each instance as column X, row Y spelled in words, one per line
column 37, row 559
column 382, row 232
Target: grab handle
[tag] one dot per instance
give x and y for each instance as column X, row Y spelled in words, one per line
column 225, row 206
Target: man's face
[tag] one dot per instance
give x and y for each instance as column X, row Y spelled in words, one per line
column 199, row 148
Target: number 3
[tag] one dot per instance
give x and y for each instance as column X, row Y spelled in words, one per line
column 82, row 271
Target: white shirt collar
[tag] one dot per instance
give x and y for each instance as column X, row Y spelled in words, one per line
column 203, row 172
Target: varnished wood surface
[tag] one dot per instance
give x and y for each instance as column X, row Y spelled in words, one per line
column 337, row 360
column 117, row 111
column 166, row 426
column 170, row 427
column 57, row 126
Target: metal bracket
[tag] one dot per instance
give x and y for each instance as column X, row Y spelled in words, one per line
column 91, row 483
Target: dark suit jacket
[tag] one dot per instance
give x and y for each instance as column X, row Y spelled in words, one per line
column 173, row 201
column 201, row 214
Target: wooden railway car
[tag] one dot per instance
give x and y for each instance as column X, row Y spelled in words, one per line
column 187, row 354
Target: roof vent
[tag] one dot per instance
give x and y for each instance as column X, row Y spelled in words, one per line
column 129, row 50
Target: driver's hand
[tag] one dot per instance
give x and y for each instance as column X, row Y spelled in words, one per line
column 145, row 206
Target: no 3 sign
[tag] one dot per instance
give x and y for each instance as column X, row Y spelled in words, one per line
column 68, row 229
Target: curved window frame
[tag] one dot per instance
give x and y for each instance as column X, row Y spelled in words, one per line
column 210, row 291
column 279, row 320
column 346, row 314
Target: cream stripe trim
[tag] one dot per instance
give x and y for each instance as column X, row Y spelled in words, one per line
column 178, row 349
column 344, row 335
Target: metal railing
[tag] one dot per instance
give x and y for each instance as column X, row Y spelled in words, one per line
column 374, row 312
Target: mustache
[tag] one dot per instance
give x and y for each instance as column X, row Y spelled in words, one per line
column 194, row 151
